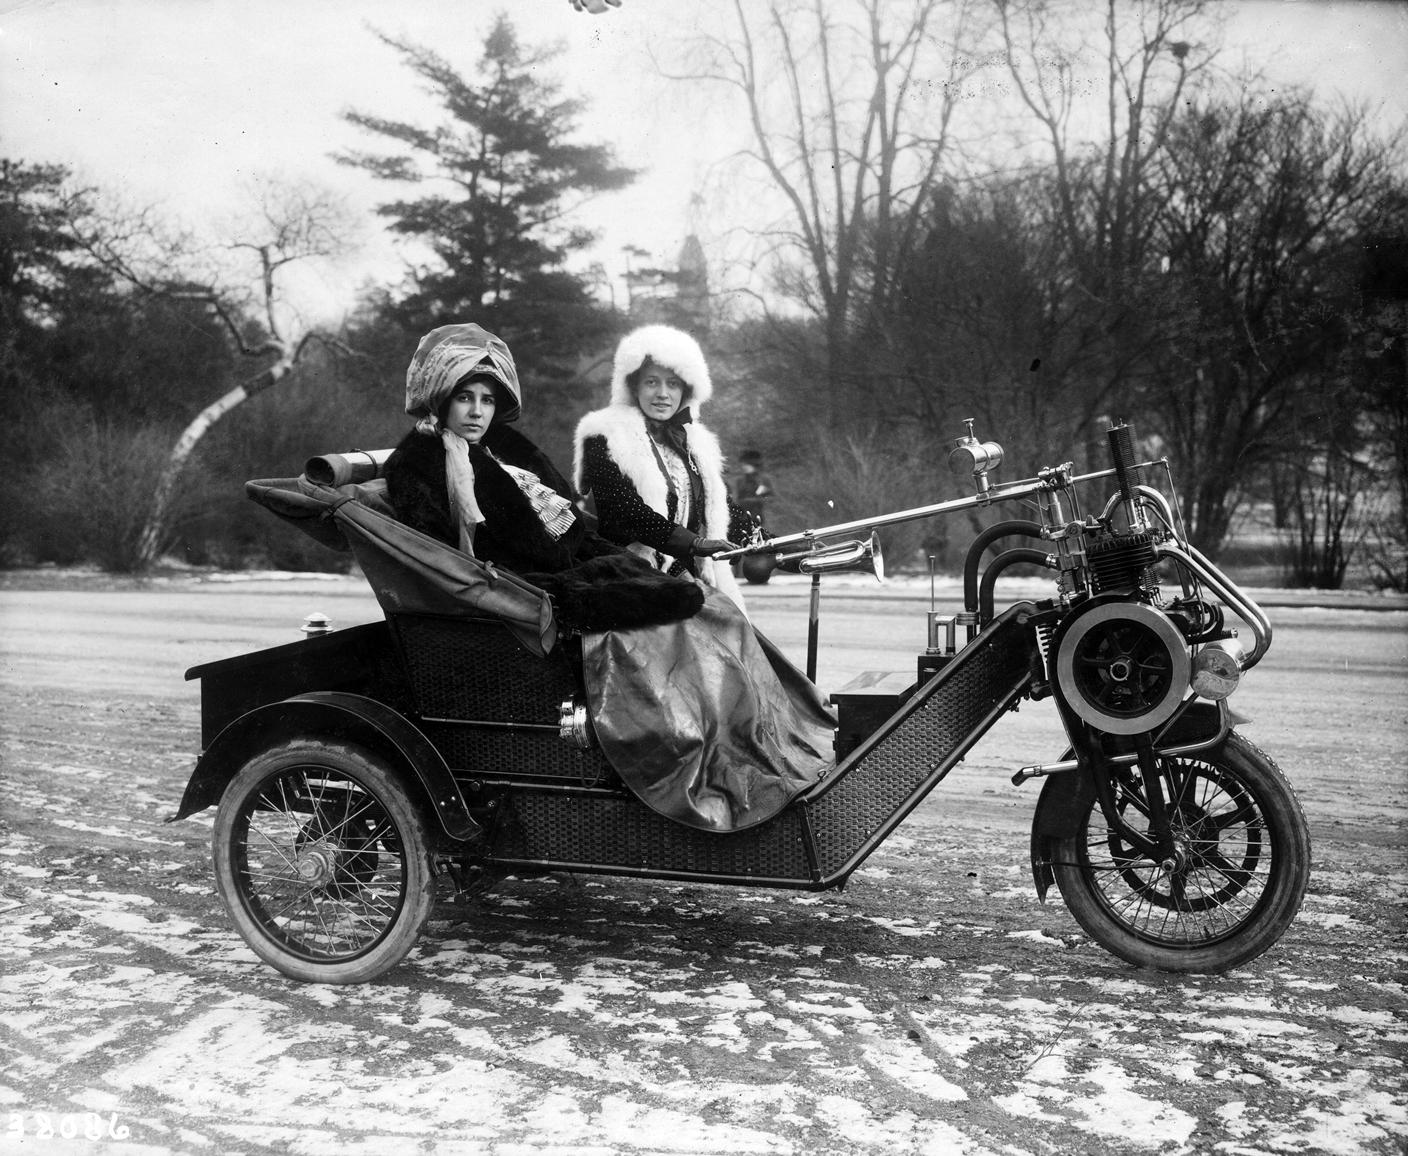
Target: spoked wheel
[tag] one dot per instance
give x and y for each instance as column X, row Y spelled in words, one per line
column 1235, row 880
column 323, row 862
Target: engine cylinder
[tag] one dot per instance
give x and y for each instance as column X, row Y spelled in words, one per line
column 1122, row 563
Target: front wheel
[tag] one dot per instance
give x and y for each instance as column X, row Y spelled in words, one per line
column 1235, row 880
column 323, row 861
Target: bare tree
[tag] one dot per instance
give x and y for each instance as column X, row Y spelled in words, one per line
column 1133, row 63
column 1103, row 83
column 1268, row 198
column 289, row 224
column 850, row 108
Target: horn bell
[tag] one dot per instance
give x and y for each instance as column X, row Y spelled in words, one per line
column 857, row 556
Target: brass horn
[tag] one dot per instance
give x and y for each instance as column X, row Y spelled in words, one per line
column 856, row 556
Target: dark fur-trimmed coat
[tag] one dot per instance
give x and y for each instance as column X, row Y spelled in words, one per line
column 594, row 585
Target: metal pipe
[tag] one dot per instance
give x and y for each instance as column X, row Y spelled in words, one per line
column 771, row 545
column 1042, row 769
column 1250, row 613
column 1000, row 493
column 999, row 564
column 1013, row 526
column 1147, row 494
column 813, row 624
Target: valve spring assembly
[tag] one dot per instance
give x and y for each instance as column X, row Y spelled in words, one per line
column 1044, row 634
column 1043, row 639
column 1123, row 562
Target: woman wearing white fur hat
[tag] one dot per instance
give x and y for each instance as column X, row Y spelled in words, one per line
column 655, row 473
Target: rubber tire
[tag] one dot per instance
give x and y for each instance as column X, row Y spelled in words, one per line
column 374, row 776
column 1289, row 839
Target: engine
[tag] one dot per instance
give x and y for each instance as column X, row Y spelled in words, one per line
column 1124, row 658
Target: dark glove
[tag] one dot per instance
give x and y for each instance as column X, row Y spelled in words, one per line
column 708, row 547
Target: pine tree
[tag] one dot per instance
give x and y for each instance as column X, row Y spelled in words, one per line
column 499, row 182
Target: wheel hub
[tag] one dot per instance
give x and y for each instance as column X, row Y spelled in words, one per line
column 1177, row 860
column 316, row 864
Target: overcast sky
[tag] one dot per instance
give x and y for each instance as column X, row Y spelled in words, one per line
column 176, row 102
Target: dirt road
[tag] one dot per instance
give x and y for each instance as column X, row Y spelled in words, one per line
column 932, row 1007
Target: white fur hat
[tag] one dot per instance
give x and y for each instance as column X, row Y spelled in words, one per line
column 666, row 346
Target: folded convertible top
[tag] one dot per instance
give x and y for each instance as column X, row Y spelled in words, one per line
column 410, row 572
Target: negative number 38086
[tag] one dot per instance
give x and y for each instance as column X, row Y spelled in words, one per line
column 68, row 1125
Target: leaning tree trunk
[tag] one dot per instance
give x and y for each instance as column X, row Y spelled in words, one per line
column 154, row 531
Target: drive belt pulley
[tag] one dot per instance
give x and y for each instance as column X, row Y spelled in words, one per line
column 1121, row 666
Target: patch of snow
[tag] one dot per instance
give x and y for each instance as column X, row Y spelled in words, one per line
column 912, row 1069
column 1037, row 936
column 851, row 1009
column 1379, row 1019
column 1330, row 919
column 623, row 1123
column 730, row 997
column 1116, row 1110
column 901, row 926
column 1243, row 1028
column 1027, row 1106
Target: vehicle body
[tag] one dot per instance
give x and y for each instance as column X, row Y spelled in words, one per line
column 353, row 769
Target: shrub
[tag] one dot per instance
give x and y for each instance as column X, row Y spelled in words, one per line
column 89, row 497
column 850, row 476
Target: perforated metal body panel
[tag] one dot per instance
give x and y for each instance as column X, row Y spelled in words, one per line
column 476, row 669
column 887, row 776
column 601, row 832
column 474, row 752
column 478, row 672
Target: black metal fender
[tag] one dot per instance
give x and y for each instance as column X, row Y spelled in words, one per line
column 332, row 714
column 1067, row 798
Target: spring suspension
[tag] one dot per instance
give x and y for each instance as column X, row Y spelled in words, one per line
column 1043, row 640
column 1122, row 563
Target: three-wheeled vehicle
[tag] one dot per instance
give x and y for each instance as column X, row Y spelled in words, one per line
column 356, row 770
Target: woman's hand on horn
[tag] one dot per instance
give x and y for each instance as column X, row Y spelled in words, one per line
column 708, row 547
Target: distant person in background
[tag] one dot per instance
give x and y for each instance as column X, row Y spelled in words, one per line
column 655, row 473
column 754, row 487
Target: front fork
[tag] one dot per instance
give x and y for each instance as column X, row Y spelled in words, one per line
column 1157, row 843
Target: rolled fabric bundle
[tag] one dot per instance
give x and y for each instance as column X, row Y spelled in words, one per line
column 353, row 467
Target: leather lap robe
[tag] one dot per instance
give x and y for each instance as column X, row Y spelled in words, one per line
column 728, row 739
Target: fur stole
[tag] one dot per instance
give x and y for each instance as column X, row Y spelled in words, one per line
column 628, row 443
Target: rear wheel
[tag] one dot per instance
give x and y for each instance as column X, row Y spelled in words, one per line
column 1235, row 879
column 323, row 861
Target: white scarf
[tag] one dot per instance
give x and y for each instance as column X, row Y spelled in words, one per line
column 459, row 482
